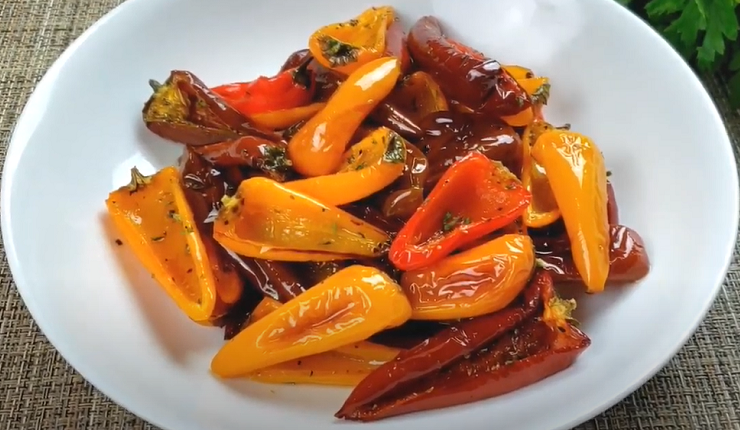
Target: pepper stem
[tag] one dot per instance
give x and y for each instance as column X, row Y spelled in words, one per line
column 155, row 85
column 137, row 180
column 559, row 311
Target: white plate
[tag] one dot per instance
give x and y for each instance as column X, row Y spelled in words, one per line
column 613, row 79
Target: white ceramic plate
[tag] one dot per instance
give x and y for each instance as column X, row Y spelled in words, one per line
column 613, row 79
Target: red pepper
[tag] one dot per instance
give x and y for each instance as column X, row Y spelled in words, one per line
column 475, row 197
column 468, row 363
column 288, row 89
column 628, row 260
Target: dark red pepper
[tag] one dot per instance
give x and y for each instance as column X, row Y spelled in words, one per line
column 274, row 279
column 475, row 197
column 628, row 259
column 465, row 74
column 475, row 359
column 449, row 136
column 253, row 152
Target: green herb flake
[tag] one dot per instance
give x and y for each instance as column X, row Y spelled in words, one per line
column 542, row 94
column 450, row 222
column 396, row 151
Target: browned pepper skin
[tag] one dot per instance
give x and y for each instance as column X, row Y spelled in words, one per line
column 404, row 196
column 388, row 114
column 449, row 345
column 203, row 188
column 517, row 355
column 269, row 157
column 185, row 110
column 409, row 335
column 628, row 259
column 295, row 59
column 464, row 74
column 451, row 136
column 612, row 210
column 371, row 215
column 274, row 279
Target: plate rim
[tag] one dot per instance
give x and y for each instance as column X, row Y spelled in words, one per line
column 24, row 125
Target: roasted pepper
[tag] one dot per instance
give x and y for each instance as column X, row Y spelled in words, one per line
column 249, row 151
column 538, row 90
column 264, row 219
column 284, row 118
column 514, row 354
column 286, row 90
column 450, row 136
column 406, row 195
column 577, row 175
column 344, row 366
column 543, row 209
column 184, row 110
column 346, row 46
column 203, row 191
column 463, row 73
column 367, row 167
column 273, row 279
column 628, row 259
column 443, row 349
column 347, row 307
column 416, row 97
column 154, row 219
column 475, row 282
column 476, row 196
column 317, row 148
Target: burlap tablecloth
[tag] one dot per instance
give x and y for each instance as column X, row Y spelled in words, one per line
column 699, row 389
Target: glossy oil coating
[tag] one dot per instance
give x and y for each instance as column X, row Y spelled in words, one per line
column 347, row 307
column 479, row 281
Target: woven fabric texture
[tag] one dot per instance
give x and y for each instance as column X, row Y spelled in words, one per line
column 699, row 389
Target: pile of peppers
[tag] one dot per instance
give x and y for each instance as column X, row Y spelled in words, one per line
column 390, row 212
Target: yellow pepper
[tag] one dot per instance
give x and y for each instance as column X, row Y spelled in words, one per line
column 368, row 166
column 346, row 308
column 317, row 148
column 344, row 366
column 267, row 220
column 538, row 89
column 155, row 221
column 543, row 209
column 346, row 46
column 577, row 174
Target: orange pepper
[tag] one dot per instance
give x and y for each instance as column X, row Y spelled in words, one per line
column 543, row 209
column 369, row 166
column 284, row 118
column 155, row 221
column 518, row 72
column 345, row 366
column 346, row 46
column 479, row 281
column 420, row 93
column 538, row 90
column 317, row 148
column 345, row 308
column 267, row 220
column 577, row 175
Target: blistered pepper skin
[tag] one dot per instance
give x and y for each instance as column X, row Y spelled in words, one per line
column 475, row 282
column 347, row 307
